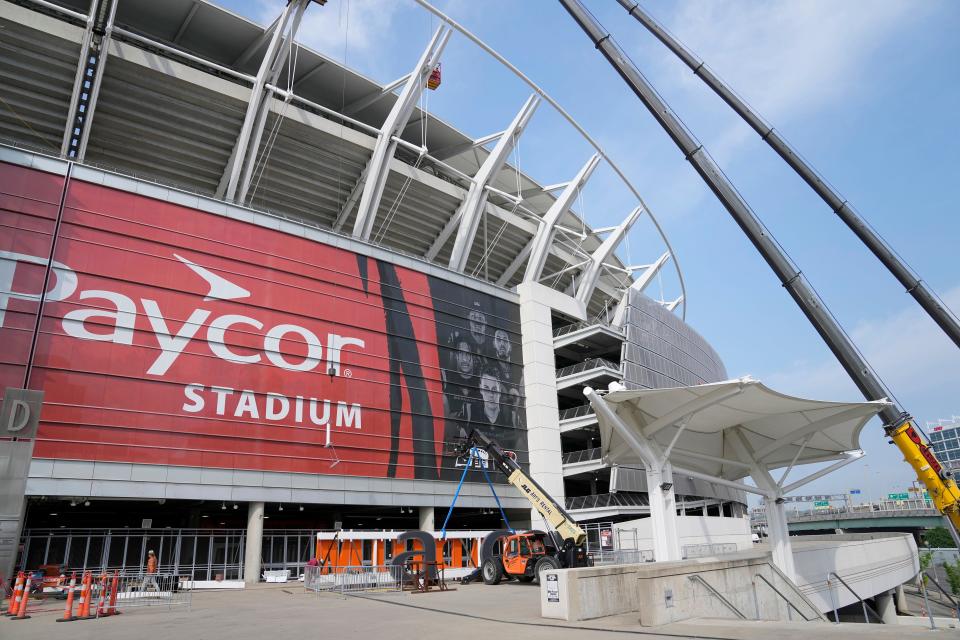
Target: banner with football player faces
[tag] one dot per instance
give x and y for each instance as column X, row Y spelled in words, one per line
column 175, row 336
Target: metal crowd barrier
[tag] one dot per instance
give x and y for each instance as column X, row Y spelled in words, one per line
column 353, row 579
column 137, row 590
column 621, row 556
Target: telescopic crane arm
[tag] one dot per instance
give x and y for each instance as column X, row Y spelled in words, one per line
column 916, row 287
column 561, row 521
column 897, row 423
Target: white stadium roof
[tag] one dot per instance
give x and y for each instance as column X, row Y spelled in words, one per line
column 175, row 86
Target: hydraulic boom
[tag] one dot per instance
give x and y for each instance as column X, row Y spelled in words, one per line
column 561, row 521
column 897, row 423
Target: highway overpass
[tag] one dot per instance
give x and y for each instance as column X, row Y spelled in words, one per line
column 859, row 518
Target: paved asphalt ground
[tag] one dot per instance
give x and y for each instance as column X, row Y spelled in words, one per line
column 272, row 612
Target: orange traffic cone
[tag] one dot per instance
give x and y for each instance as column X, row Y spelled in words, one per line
column 114, row 588
column 24, row 597
column 85, row 595
column 68, row 610
column 103, row 595
column 15, row 596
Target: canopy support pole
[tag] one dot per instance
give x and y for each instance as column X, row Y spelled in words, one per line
column 777, row 529
column 663, row 502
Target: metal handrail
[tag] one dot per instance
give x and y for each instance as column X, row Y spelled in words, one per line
column 811, row 515
column 576, row 326
column 576, row 412
column 619, row 499
column 953, row 601
column 729, row 605
column 836, row 618
column 63, row 10
column 782, row 597
column 592, row 363
column 778, row 571
column 582, row 455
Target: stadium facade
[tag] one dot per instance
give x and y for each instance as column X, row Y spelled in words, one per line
column 252, row 294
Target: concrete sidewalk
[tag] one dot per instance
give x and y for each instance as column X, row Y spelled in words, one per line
column 475, row 611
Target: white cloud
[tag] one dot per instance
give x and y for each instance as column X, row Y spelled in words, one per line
column 788, row 59
column 914, row 356
column 919, row 364
column 350, row 31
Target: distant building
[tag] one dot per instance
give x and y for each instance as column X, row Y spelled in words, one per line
column 945, row 440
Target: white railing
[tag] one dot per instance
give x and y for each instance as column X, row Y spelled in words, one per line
column 879, row 509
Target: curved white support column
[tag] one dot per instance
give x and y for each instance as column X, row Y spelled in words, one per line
column 590, row 277
column 673, row 305
column 663, row 503
column 379, row 166
column 230, row 182
column 264, row 107
column 540, row 244
column 476, row 199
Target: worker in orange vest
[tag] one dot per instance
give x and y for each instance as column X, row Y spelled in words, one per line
column 151, row 576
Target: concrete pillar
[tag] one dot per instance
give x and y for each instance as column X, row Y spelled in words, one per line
column 663, row 514
column 663, row 505
column 886, row 608
column 16, row 452
column 540, row 386
column 902, row 605
column 779, row 537
column 427, row 522
column 251, row 556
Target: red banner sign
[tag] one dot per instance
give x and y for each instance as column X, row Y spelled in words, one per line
column 175, row 336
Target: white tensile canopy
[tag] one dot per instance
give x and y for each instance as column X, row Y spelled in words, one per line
column 723, row 432
column 724, row 428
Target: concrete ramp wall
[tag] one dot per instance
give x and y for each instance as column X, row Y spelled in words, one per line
column 870, row 563
column 740, row 585
column 699, row 536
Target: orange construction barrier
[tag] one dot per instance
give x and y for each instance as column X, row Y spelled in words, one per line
column 25, row 596
column 85, row 596
column 114, row 586
column 68, row 610
column 15, row 596
column 103, row 595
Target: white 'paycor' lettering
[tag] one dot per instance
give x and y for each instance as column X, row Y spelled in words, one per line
column 122, row 323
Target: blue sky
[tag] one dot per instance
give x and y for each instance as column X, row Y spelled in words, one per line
column 867, row 91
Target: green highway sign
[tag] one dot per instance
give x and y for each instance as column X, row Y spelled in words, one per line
column 821, row 504
column 898, row 496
